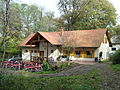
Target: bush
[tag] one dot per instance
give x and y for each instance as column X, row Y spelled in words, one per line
column 116, row 67
column 115, row 58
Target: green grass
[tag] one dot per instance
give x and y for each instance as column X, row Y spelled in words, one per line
column 88, row 81
column 45, row 72
column 116, row 67
column 41, row 72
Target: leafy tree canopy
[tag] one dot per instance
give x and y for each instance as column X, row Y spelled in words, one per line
column 86, row 14
column 17, row 21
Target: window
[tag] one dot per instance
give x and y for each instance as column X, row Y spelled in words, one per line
column 26, row 51
column 89, row 54
column 77, row 53
column 35, row 51
column 67, row 52
column 31, row 51
column 51, row 51
column 113, row 49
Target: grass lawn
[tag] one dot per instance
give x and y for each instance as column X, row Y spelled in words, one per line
column 88, row 81
column 116, row 67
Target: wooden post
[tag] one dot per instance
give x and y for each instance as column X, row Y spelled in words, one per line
column 39, row 52
column 38, row 49
column 30, row 51
column 19, row 66
column 47, row 51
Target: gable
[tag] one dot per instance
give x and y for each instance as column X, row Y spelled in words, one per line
column 48, row 36
column 26, row 40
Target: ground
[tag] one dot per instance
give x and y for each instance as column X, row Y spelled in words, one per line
column 108, row 78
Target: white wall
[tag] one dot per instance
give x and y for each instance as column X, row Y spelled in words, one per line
column 42, row 46
column 105, row 49
column 26, row 55
column 116, row 46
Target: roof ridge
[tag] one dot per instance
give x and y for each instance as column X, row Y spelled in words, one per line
column 88, row 30
column 74, row 30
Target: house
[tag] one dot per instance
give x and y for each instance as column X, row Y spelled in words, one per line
column 115, row 40
column 82, row 45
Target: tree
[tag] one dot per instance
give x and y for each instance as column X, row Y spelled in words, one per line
column 114, row 33
column 34, row 18
column 17, row 21
column 114, row 30
column 115, row 58
column 86, row 14
column 4, row 19
column 31, row 16
column 48, row 23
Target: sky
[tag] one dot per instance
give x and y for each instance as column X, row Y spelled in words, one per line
column 48, row 5
column 51, row 5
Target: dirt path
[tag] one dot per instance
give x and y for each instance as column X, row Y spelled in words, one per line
column 111, row 79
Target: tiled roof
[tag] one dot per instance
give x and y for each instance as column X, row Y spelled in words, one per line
column 53, row 37
column 24, row 42
column 83, row 38
column 79, row 38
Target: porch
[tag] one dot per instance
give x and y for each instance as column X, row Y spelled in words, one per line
column 38, row 49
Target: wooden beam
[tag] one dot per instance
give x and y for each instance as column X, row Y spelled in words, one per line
column 38, row 41
column 39, row 52
column 33, row 37
column 30, row 51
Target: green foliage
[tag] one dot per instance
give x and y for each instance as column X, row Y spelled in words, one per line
column 86, row 14
column 116, row 67
column 89, row 81
column 46, row 66
column 22, row 20
column 114, row 30
column 115, row 58
column 13, row 48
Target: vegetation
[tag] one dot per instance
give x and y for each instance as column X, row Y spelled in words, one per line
column 17, row 21
column 86, row 14
column 114, row 32
column 52, row 69
column 116, row 67
column 115, row 58
column 88, row 81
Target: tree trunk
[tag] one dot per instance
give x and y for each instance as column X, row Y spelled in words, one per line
column 4, row 50
column 5, row 27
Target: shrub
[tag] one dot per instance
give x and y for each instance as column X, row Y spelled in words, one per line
column 115, row 58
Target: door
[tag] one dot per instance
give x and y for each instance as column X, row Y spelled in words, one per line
column 42, row 54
